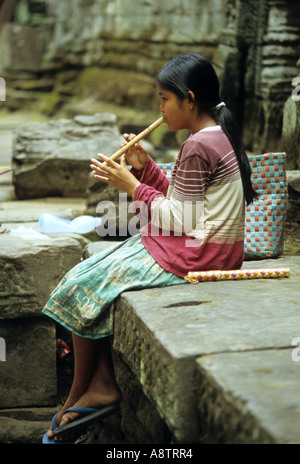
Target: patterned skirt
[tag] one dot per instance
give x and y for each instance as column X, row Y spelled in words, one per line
column 83, row 302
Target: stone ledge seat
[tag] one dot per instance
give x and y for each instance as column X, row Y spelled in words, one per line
column 215, row 359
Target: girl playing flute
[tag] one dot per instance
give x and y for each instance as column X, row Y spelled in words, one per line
column 196, row 222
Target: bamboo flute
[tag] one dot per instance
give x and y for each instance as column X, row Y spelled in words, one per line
column 137, row 138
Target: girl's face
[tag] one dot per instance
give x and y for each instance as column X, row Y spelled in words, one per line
column 176, row 112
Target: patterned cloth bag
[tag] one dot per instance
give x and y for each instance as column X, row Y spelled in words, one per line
column 265, row 217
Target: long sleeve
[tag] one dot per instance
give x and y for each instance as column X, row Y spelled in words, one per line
column 153, row 177
column 181, row 210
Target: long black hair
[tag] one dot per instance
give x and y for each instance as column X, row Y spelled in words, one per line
column 193, row 72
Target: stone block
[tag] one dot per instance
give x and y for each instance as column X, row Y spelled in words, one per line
column 249, row 398
column 28, row 376
column 21, row 49
column 176, row 25
column 25, row 425
column 53, row 159
column 140, row 422
column 157, row 370
column 29, row 271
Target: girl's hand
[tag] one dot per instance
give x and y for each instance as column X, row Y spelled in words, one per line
column 137, row 156
column 114, row 174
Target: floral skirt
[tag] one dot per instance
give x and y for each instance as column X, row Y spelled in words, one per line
column 83, row 302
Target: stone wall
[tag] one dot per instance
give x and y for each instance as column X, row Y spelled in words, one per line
column 95, row 51
column 257, row 56
column 99, row 48
column 131, row 34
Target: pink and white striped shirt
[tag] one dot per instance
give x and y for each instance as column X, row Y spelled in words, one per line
column 195, row 221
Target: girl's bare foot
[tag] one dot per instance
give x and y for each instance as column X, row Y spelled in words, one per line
column 89, row 400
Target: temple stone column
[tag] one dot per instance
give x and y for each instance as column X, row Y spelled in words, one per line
column 257, row 59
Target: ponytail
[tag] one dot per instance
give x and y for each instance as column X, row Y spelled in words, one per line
column 194, row 72
column 226, row 121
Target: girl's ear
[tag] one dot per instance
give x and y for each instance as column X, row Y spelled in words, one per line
column 190, row 96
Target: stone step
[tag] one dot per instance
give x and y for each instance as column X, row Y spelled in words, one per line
column 249, row 397
column 22, row 432
column 176, row 352
column 25, row 425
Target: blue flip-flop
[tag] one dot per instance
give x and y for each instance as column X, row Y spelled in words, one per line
column 90, row 415
column 50, row 441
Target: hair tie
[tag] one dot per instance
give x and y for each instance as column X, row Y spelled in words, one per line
column 217, row 107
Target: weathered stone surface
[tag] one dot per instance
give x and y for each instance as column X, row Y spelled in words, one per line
column 115, row 54
column 216, row 317
column 153, row 23
column 250, row 397
column 22, row 431
column 254, row 45
column 53, row 159
column 293, row 208
column 256, row 60
column 141, row 422
column 291, row 133
column 20, row 50
column 293, row 178
column 28, row 376
column 29, row 270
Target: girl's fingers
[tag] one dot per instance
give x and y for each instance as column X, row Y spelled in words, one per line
column 104, row 179
column 123, row 160
column 98, row 169
column 96, row 162
column 128, row 137
column 96, row 165
column 100, row 175
column 104, row 170
column 105, row 158
column 98, row 172
column 108, row 163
